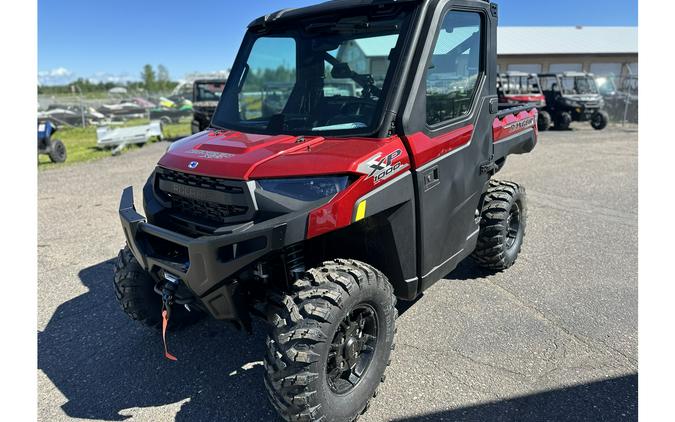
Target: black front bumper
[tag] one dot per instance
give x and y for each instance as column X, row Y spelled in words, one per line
column 206, row 264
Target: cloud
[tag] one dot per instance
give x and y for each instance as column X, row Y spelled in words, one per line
column 111, row 77
column 63, row 76
column 57, row 76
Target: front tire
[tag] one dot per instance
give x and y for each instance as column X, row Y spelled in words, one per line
column 502, row 226
column 134, row 290
column 58, row 154
column 563, row 121
column 599, row 120
column 544, row 120
column 330, row 343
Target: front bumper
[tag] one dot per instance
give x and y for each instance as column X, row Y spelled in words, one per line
column 206, row 264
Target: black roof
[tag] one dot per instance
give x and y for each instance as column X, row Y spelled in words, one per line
column 321, row 8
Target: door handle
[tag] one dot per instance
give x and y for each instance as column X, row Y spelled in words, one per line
column 494, row 105
column 431, row 178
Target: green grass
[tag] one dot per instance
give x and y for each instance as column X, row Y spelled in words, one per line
column 81, row 142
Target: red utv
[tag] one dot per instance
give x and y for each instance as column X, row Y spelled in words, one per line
column 366, row 181
column 515, row 88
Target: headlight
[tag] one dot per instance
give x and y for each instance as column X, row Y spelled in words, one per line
column 306, row 189
column 571, row 103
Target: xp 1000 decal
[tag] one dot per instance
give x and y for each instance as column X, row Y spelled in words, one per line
column 381, row 167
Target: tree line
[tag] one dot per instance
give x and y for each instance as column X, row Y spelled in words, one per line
column 151, row 81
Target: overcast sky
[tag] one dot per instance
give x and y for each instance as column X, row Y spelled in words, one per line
column 109, row 40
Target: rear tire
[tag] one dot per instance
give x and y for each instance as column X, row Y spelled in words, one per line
column 563, row 121
column 58, row 154
column 599, row 120
column 544, row 120
column 315, row 327
column 502, row 226
column 134, row 290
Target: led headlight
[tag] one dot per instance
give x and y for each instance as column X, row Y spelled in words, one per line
column 306, row 189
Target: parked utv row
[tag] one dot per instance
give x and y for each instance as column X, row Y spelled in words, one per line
column 562, row 98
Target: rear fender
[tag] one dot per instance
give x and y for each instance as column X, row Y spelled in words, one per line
column 515, row 133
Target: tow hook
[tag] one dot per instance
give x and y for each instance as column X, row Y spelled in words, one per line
column 168, row 291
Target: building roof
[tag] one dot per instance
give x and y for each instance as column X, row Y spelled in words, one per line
column 526, row 40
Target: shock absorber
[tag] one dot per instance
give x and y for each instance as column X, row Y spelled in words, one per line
column 294, row 261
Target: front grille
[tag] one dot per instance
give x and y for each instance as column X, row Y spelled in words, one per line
column 204, row 210
column 204, row 200
column 206, row 182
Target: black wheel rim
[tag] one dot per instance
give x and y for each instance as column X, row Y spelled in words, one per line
column 513, row 226
column 352, row 349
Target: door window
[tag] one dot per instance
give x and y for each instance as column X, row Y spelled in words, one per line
column 452, row 77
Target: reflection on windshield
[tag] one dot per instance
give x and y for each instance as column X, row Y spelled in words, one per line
column 208, row 91
column 605, row 85
column 578, row 85
column 328, row 77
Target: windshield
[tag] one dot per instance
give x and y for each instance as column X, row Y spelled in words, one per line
column 208, row 91
column 321, row 77
column 605, row 85
column 578, row 85
column 520, row 85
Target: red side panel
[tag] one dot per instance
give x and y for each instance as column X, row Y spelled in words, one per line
column 426, row 149
column 533, row 98
column 375, row 170
column 512, row 124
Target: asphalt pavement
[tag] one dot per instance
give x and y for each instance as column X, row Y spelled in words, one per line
column 554, row 338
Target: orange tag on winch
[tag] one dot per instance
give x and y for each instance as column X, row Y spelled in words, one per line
column 165, row 323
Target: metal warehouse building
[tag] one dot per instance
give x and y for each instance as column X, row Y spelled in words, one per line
column 604, row 51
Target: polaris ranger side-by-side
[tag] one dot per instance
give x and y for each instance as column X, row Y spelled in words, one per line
column 515, row 88
column 573, row 97
column 318, row 213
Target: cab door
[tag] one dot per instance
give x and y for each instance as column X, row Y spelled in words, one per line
column 447, row 124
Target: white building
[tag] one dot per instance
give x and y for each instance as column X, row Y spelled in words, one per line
column 603, row 50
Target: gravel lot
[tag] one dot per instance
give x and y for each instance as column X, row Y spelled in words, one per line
column 553, row 338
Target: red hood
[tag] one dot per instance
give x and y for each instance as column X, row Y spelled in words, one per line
column 236, row 155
